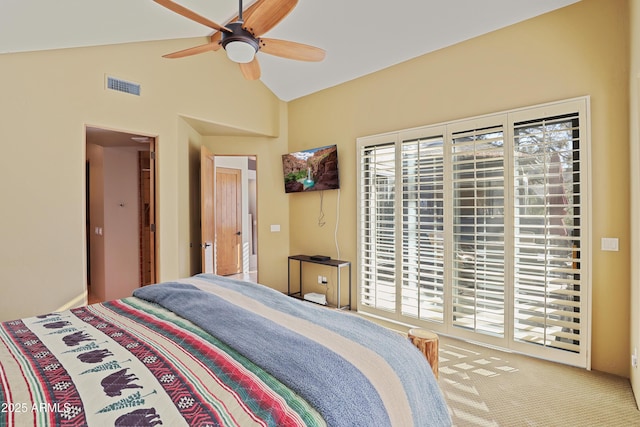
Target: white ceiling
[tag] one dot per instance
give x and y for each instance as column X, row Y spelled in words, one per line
column 360, row 36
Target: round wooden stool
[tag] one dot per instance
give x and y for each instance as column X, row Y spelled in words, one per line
column 427, row 343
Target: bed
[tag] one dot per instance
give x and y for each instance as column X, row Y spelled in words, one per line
column 207, row 351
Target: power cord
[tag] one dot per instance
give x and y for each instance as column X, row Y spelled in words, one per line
column 321, row 221
column 335, row 234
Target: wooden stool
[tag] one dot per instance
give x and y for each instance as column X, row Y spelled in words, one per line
column 427, row 343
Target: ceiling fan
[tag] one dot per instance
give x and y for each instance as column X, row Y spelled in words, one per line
column 241, row 36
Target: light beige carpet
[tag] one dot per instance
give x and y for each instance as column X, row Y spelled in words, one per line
column 487, row 387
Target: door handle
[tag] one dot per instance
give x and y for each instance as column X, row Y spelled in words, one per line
column 205, row 245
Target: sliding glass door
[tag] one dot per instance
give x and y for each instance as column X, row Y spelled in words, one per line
column 476, row 228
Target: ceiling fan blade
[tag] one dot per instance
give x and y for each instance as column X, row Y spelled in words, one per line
column 263, row 15
column 251, row 70
column 193, row 50
column 181, row 10
column 216, row 38
column 291, row 50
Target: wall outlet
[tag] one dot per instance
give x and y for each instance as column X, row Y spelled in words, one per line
column 319, row 280
column 634, row 358
column 609, row 244
column 324, row 280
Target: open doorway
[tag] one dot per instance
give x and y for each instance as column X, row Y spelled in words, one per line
column 229, row 215
column 120, row 212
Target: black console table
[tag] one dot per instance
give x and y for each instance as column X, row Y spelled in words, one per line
column 336, row 263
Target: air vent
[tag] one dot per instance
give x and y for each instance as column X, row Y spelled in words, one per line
column 123, row 86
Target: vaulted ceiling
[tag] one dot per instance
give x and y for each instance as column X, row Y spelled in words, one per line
column 360, row 36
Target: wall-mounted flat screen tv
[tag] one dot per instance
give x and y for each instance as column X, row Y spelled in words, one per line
column 311, row 170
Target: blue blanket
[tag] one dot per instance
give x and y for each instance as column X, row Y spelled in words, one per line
column 340, row 392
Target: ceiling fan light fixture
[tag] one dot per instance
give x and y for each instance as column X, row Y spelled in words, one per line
column 242, row 42
column 239, row 43
column 240, row 51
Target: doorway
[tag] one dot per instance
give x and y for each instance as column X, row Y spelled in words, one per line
column 228, row 221
column 229, row 215
column 120, row 213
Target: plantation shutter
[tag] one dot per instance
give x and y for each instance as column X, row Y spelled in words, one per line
column 478, row 228
column 422, row 228
column 547, row 273
column 478, row 265
column 377, row 227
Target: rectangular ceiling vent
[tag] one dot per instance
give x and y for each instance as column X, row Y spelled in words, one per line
column 120, row 85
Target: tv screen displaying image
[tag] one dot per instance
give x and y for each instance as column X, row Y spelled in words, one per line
column 311, row 170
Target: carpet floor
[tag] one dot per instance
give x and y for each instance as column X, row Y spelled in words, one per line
column 488, row 387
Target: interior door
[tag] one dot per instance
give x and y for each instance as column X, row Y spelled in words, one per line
column 207, row 213
column 228, row 221
column 147, row 217
column 151, row 241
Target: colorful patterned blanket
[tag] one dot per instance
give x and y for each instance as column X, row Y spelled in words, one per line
column 208, row 351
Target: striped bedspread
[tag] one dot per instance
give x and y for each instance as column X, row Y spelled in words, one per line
column 211, row 351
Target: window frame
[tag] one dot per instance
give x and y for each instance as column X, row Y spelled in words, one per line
column 446, row 130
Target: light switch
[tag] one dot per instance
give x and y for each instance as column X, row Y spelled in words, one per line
column 609, row 244
column 275, row 228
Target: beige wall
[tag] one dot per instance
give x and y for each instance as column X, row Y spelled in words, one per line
column 579, row 50
column 634, row 95
column 95, row 243
column 47, row 99
column 190, row 229
column 272, row 202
